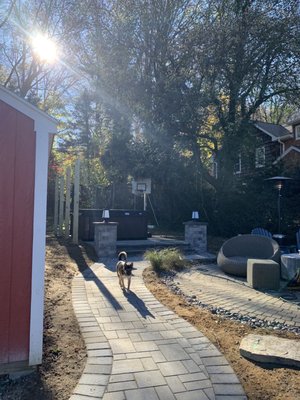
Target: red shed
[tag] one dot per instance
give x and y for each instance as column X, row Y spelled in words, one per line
column 25, row 137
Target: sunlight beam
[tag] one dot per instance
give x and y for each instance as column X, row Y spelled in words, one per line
column 44, row 48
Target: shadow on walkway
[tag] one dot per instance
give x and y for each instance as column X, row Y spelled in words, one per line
column 90, row 276
column 75, row 252
column 138, row 304
column 109, row 263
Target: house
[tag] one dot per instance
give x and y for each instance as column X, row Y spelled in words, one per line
column 273, row 139
column 290, row 154
column 272, row 144
column 25, row 139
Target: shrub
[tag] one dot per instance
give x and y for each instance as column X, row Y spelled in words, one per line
column 166, row 259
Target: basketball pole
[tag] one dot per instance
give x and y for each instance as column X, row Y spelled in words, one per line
column 145, row 201
column 153, row 210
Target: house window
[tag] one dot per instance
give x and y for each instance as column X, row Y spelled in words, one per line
column 260, row 157
column 297, row 132
column 237, row 168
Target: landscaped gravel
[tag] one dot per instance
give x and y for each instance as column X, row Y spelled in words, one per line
column 169, row 278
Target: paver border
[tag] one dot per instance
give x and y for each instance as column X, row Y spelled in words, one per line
column 97, row 370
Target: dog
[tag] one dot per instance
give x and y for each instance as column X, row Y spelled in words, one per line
column 124, row 269
column 122, row 256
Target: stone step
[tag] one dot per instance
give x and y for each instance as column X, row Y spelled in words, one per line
column 271, row 349
column 139, row 249
column 204, row 257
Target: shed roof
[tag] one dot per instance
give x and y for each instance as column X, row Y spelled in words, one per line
column 43, row 122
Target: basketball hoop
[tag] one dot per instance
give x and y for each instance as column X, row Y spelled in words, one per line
column 141, row 186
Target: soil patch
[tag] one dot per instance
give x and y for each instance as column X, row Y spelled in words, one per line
column 260, row 381
column 64, row 352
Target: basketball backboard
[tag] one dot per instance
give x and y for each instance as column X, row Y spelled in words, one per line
column 141, row 186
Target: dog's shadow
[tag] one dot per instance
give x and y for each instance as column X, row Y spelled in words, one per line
column 108, row 263
column 138, row 304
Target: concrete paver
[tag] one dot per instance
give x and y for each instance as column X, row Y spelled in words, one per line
column 139, row 349
column 215, row 289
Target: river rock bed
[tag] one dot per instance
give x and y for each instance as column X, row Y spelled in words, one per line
column 168, row 278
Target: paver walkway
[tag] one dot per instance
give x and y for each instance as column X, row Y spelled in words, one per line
column 139, row 349
column 214, row 288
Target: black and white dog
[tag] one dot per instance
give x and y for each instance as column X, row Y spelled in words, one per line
column 124, row 269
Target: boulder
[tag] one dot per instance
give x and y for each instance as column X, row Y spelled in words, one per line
column 271, row 349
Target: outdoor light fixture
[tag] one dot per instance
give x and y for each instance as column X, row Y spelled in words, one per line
column 279, row 180
column 105, row 215
column 195, row 215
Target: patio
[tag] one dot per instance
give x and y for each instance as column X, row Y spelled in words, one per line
column 206, row 285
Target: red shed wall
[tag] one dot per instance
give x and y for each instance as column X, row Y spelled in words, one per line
column 17, row 171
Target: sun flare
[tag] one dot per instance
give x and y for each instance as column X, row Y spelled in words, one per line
column 44, row 48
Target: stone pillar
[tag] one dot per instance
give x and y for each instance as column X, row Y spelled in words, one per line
column 105, row 239
column 195, row 234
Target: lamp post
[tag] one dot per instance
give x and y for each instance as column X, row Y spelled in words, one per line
column 279, row 180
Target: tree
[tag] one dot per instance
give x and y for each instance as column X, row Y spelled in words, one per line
column 176, row 64
column 192, row 73
column 253, row 53
column 6, row 10
column 22, row 70
column 278, row 110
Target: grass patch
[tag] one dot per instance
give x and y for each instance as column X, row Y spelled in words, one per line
column 165, row 259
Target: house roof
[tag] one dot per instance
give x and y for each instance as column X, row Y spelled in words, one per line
column 290, row 149
column 273, row 130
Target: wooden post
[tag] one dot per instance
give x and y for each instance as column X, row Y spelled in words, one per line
column 113, row 193
column 55, row 219
column 61, row 205
column 68, row 203
column 76, row 201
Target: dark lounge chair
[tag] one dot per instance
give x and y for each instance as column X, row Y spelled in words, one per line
column 261, row 232
column 235, row 252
